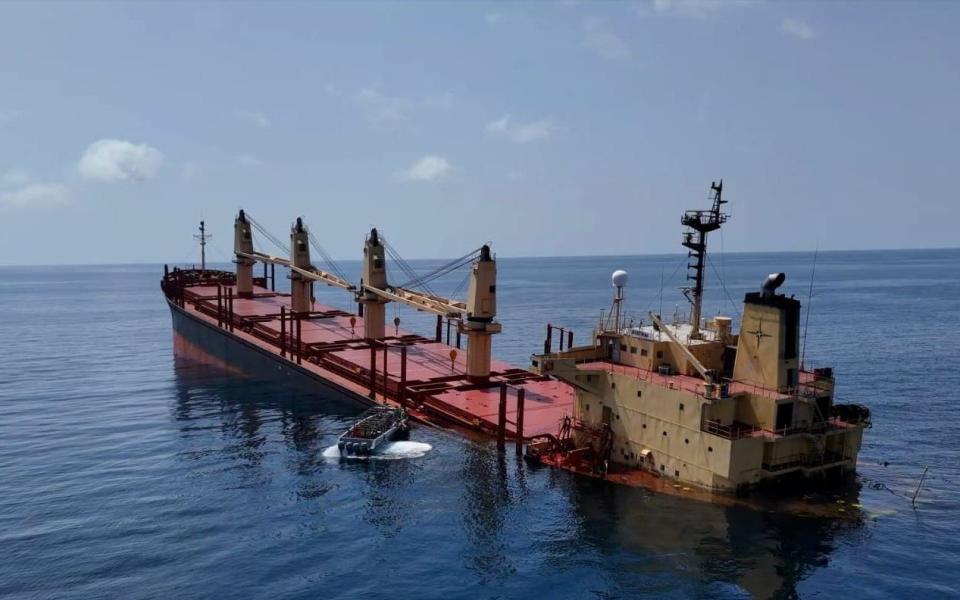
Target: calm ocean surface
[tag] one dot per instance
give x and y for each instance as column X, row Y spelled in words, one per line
column 129, row 471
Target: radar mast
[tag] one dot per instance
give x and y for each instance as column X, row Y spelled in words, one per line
column 202, row 237
column 700, row 222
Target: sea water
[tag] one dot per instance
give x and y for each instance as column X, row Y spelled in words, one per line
column 131, row 470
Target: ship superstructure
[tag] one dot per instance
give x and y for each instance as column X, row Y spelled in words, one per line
column 692, row 400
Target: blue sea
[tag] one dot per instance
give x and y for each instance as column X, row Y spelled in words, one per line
column 131, row 470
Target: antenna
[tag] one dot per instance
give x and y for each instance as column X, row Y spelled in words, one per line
column 619, row 280
column 806, row 320
column 203, row 236
column 700, row 222
column 660, row 309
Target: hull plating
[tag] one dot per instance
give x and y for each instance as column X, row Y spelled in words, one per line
column 238, row 356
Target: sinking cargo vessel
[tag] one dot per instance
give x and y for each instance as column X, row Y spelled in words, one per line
column 687, row 402
column 692, row 401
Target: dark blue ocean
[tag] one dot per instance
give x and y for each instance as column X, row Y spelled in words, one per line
column 128, row 470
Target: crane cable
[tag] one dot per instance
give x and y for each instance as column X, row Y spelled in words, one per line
column 405, row 267
column 446, row 268
column 326, row 257
column 272, row 238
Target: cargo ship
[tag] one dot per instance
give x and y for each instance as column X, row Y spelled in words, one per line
column 662, row 405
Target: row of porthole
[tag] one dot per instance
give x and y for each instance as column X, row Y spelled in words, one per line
column 586, row 407
column 643, row 351
column 685, row 441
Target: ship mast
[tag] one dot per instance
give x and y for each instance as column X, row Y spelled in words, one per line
column 203, row 236
column 700, row 222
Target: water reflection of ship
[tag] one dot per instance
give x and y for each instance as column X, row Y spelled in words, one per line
column 492, row 485
column 242, row 410
column 765, row 553
column 639, row 535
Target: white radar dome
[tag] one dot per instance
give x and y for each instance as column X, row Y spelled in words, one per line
column 619, row 278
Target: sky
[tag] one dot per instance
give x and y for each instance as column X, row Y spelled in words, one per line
column 567, row 128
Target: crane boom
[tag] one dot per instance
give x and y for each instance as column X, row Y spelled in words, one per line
column 314, row 275
column 432, row 304
column 707, row 375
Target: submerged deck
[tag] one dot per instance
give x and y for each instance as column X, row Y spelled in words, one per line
column 405, row 368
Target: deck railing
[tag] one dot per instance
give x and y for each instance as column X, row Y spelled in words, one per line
column 730, row 432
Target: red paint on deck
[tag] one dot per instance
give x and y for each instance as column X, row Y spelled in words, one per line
column 437, row 388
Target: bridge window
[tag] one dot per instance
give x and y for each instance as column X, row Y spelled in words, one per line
column 660, row 354
column 784, row 415
column 643, row 352
column 633, row 349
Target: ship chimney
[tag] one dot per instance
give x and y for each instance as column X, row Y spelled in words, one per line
column 300, row 287
column 481, row 310
column 771, row 283
column 769, row 340
column 243, row 248
column 374, row 275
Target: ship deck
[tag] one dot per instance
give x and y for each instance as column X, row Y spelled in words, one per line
column 430, row 384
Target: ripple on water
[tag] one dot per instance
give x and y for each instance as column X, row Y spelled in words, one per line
column 129, row 472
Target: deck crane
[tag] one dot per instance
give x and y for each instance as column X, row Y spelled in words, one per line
column 299, row 263
column 476, row 315
column 243, row 248
column 709, row 377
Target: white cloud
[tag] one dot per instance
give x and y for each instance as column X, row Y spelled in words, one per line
column 8, row 115
column 602, row 42
column 252, row 117
column 36, row 195
column 112, row 161
column 521, row 133
column 493, row 18
column 797, row 28
column 379, row 107
column 249, row 161
column 697, row 9
column 15, row 177
column 428, row 168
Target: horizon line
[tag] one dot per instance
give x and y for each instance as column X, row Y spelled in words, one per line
column 558, row 256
